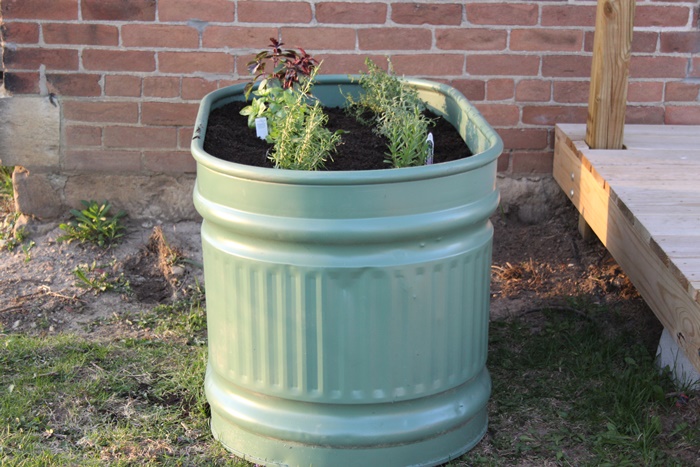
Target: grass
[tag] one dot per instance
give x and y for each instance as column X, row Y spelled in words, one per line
column 67, row 400
column 580, row 389
column 569, row 389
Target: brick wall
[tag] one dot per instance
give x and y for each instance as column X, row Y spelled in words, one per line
column 128, row 74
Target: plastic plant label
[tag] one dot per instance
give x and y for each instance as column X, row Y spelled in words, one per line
column 261, row 127
column 431, row 149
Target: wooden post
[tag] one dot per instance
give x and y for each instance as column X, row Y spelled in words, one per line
column 611, row 56
column 607, row 101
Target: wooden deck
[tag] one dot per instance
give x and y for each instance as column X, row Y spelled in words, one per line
column 643, row 203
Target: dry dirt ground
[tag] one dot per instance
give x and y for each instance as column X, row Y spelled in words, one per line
column 535, row 266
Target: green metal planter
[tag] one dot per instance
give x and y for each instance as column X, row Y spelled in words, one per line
column 348, row 311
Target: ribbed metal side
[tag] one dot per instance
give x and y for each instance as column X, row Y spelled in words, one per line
column 353, row 335
column 348, row 311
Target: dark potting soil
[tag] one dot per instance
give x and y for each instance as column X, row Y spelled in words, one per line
column 229, row 138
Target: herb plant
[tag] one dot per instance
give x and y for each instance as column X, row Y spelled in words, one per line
column 397, row 113
column 93, row 225
column 295, row 119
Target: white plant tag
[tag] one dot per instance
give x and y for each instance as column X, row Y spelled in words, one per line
column 431, row 149
column 261, row 127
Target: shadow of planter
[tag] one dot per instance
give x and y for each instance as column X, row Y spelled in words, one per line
column 348, row 311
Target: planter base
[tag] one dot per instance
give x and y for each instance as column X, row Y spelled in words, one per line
column 423, row 432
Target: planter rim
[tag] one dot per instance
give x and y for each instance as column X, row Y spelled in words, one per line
column 354, row 177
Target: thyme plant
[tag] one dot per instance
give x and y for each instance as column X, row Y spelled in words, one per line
column 397, row 113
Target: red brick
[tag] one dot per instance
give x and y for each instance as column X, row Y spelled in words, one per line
column 81, row 34
column 646, row 115
column 22, row 83
column 425, row 13
column 428, row 64
column 394, row 39
column 119, row 10
column 184, row 137
column 319, row 38
column 74, row 84
column 473, row 89
column 552, row 114
column 694, row 71
column 159, row 35
column 661, row 16
column 197, row 88
column 237, row 37
column 683, row 115
column 26, row 58
column 83, row 135
column 546, row 39
column 103, row 161
column 532, row 162
column 502, row 14
column 567, row 66
column 682, row 92
column 571, row 92
column 139, row 137
column 222, row 83
column 274, row 12
column 680, row 42
column 202, row 10
column 170, row 162
column 471, row 39
column 645, row 91
column 123, row 85
column 658, row 67
column 499, row 114
column 168, row 114
column 642, row 41
column 503, row 64
column 193, row 62
column 500, row 89
column 568, row 15
column 503, row 163
column 161, row 86
column 344, row 63
column 533, row 90
column 40, row 9
column 524, row 138
column 100, row 111
column 119, row 60
column 20, row 33
column 351, row 13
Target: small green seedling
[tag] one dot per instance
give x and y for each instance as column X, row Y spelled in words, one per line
column 96, row 278
column 93, row 225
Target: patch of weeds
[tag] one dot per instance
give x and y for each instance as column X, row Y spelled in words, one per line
column 97, row 278
column 10, row 237
column 26, row 249
column 576, row 388
column 6, row 189
column 183, row 318
column 68, row 401
column 93, row 225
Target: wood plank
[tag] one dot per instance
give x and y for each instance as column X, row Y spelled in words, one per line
column 679, row 246
column 607, row 102
column 668, row 281
column 577, row 131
